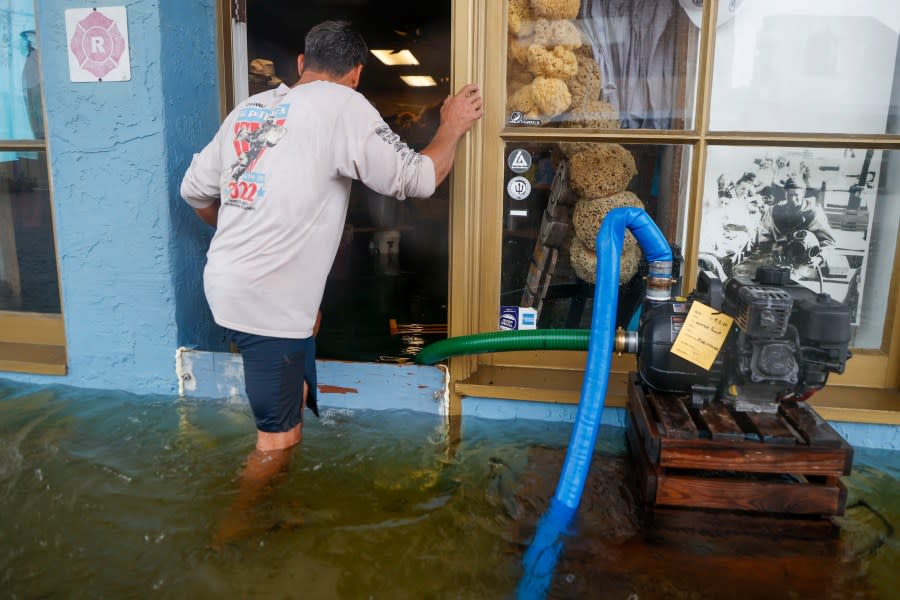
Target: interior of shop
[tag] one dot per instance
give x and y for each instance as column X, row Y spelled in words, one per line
column 387, row 293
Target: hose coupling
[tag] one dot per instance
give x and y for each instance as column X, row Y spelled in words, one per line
column 659, row 281
column 626, row 341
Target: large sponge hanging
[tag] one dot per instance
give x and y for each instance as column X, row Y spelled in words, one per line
column 556, row 9
column 601, row 170
column 584, row 262
column 520, row 20
column 589, row 214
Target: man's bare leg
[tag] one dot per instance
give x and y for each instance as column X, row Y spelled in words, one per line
column 270, row 458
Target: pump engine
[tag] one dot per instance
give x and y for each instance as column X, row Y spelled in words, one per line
column 784, row 341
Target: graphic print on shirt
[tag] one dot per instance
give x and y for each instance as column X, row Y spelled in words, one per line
column 407, row 154
column 255, row 129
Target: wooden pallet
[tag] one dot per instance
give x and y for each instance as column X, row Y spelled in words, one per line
column 718, row 459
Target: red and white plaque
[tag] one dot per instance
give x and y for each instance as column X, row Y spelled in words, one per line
column 98, row 44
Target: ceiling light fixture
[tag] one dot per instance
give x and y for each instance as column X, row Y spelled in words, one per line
column 391, row 58
column 418, row 80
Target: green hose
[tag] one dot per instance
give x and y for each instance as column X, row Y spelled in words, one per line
column 505, row 341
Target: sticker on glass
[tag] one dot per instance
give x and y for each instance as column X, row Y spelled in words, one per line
column 519, row 161
column 518, row 188
column 518, row 118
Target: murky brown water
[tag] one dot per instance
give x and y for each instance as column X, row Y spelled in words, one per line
column 107, row 495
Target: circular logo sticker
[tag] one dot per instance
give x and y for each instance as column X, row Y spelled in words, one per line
column 518, row 188
column 519, row 160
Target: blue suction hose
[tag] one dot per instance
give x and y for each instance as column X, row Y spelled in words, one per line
column 541, row 557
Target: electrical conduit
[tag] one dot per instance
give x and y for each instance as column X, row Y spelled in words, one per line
column 541, row 557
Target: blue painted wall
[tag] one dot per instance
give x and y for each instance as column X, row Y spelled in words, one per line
column 190, row 92
column 860, row 435
column 130, row 253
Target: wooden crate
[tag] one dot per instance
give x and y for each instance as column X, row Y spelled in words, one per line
column 717, row 459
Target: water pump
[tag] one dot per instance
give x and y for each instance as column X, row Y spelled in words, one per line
column 784, row 342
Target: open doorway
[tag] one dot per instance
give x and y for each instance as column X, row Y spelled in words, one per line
column 387, row 293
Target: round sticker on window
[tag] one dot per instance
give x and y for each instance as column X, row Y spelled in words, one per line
column 519, row 161
column 518, row 188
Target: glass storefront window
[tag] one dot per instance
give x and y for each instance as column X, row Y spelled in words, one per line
column 28, row 277
column 556, row 196
column 821, row 66
column 21, row 112
column 831, row 215
column 597, row 64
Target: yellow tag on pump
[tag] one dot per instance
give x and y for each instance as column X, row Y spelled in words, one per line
column 702, row 335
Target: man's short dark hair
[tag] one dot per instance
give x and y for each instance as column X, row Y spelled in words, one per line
column 334, row 47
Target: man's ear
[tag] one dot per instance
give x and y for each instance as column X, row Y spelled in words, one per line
column 355, row 74
column 300, row 65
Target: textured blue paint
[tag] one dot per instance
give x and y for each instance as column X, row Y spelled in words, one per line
column 192, row 117
column 372, row 386
column 859, row 435
column 419, row 388
column 116, row 152
column 492, row 408
column 869, row 435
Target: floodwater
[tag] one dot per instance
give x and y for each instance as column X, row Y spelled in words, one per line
column 109, row 495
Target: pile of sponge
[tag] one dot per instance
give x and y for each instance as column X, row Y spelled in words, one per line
column 542, row 62
column 552, row 76
column 600, row 176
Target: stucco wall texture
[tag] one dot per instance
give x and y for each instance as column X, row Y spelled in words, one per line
column 130, row 251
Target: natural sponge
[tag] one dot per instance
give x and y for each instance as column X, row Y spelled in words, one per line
column 559, row 63
column 584, row 262
column 543, row 97
column 601, row 170
column 596, row 113
column 551, row 95
column 570, row 149
column 521, row 20
column 518, row 49
column 557, row 33
column 592, row 114
column 516, row 77
column 556, row 9
column 590, row 212
column 585, row 84
column 522, row 100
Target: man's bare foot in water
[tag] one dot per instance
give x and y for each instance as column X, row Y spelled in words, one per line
column 258, row 482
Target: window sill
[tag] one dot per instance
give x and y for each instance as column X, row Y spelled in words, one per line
column 43, row 359
column 560, row 386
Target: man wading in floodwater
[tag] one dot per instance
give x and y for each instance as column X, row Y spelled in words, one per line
column 278, row 200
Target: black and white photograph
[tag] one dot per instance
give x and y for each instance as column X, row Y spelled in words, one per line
column 808, row 210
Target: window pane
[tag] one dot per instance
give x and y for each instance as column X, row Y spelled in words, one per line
column 830, row 215
column 555, row 198
column 600, row 64
column 28, row 277
column 826, row 66
column 21, row 112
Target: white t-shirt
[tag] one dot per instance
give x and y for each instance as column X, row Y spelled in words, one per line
column 282, row 164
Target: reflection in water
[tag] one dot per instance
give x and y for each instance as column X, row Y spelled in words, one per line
column 115, row 495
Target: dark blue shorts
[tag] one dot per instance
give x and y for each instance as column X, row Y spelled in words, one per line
column 274, row 372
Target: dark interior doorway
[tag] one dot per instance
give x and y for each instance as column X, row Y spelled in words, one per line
column 392, row 266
